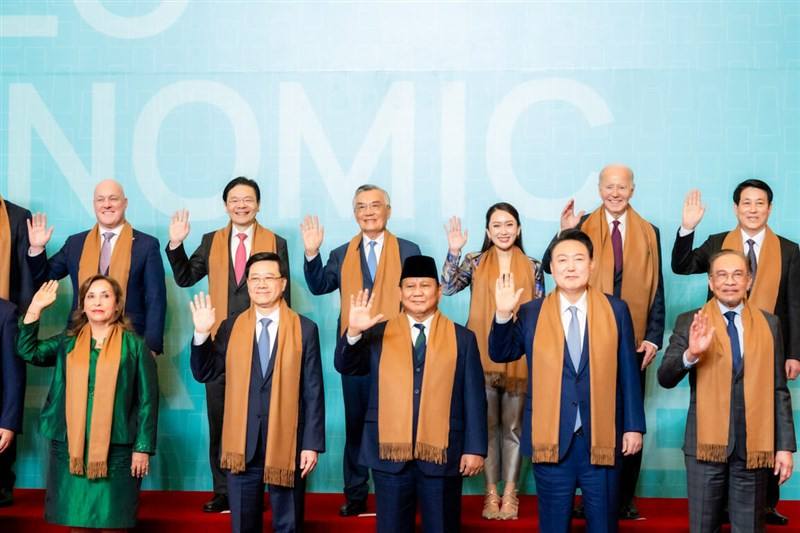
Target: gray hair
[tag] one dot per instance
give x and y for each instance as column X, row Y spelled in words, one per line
column 369, row 187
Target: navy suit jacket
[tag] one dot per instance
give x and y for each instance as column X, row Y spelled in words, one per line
column 322, row 280
column 508, row 341
column 12, row 370
column 656, row 316
column 467, row 407
column 208, row 363
column 21, row 287
column 146, row 295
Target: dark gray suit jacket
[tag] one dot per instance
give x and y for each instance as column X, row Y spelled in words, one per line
column 672, row 371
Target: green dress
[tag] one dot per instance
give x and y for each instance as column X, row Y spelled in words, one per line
column 110, row 502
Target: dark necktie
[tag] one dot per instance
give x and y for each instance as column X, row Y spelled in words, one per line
column 419, row 345
column 736, row 350
column 616, row 245
column 751, row 258
column 263, row 346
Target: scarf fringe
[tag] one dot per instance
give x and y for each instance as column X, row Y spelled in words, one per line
column 97, row 470
column 430, row 453
column 392, row 451
column 283, row 477
column 715, row 453
column 232, row 461
column 76, row 466
column 545, row 453
column 760, row 460
column 602, row 456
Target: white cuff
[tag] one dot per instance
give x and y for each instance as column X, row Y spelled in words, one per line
column 686, row 363
column 502, row 320
column 683, row 232
column 200, row 338
column 352, row 340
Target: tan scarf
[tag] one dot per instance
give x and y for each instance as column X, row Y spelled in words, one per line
column 105, row 387
column 5, row 252
column 641, row 264
column 396, row 392
column 284, row 399
column 511, row 376
column 548, row 366
column 120, row 266
column 764, row 293
column 386, row 288
column 219, row 265
column 713, row 384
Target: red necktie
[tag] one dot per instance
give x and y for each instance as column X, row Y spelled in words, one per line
column 616, row 245
column 241, row 258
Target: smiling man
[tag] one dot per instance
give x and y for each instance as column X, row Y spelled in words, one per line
column 273, row 426
column 425, row 426
column 627, row 265
column 739, row 427
column 774, row 262
column 113, row 248
column 583, row 385
column 222, row 256
column 372, row 260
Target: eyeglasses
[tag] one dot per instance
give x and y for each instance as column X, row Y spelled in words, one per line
column 249, row 201
column 736, row 275
column 265, row 280
column 374, row 206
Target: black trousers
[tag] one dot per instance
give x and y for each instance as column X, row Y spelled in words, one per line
column 631, row 464
column 215, row 407
column 7, row 458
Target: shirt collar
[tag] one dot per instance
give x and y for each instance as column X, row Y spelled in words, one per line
column 116, row 230
column 426, row 322
column 724, row 308
column 581, row 304
column 248, row 231
column 610, row 218
column 758, row 238
column 273, row 316
column 379, row 239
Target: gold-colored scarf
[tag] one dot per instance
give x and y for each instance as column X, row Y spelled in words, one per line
column 386, row 288
column 511, row 376
column 396, row 392
column 120, row 266
column 280, row 460
column 641, row 264
column 713, row 384
column 548, row 366
column 5, row 252
column 77, row 393
column 764, row 292
column 219, row 265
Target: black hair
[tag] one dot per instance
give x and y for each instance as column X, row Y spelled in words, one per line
column 241, row 180
column 511, row 210
column 266, row 256
column 573, row 234
column 756, row 184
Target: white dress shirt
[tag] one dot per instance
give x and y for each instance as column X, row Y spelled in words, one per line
column 378, row 246
column 622, row 223
column 272, row 329
column 116, row 231
column 566, row 315
column 248, row 242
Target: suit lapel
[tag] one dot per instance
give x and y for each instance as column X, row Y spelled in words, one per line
column 584, row 351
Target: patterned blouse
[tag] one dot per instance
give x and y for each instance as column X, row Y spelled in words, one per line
column 457, row 277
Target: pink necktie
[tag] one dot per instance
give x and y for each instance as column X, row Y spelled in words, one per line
column 241, row 258
column 616, row 245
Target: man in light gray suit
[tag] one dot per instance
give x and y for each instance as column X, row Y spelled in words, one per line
column 737, row 432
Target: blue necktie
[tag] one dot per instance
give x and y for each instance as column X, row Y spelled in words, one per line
column 419, row 345
column 263, row 345
column 372, row 260
column 736, row 350
column 575, row 349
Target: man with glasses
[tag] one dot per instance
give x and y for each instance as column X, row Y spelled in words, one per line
column 222, row 256
column 372, row 260
column 739, row 428
column 774, row 262
column 274, row 416
column 113, row 248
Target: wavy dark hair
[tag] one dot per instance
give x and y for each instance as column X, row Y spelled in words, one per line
column 78, row 319
column 511, row 210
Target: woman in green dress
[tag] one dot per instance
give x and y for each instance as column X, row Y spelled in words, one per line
column 102, row 409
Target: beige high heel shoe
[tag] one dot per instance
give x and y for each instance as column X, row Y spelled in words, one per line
column 491, row 506
column 510, row 508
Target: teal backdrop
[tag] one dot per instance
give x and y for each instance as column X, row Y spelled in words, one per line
column 449, row 106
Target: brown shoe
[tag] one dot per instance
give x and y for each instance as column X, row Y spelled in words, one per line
column 491, row 506
column 510, row 508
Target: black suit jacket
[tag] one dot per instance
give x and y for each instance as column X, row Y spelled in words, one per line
column 686, row 260
column 12, row 370
column 21, row 285
column 189, row 270
column 208, row 363
column 656, row 316
column 672, row 371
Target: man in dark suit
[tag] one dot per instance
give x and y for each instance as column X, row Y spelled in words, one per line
column 736, row 427
column 12, row 398
column 145, row 290
column 570, row 444
column 752, row 205
column 633, row 274
column 372, row 251
column 241, row 199
column 260, row 338
column 438, row 367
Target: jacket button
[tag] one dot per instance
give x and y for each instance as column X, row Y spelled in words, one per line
column 416, row 391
